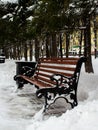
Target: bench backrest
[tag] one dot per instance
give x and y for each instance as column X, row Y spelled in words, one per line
column 66, row 66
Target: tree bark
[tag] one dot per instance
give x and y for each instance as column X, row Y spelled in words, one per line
column 80, row 47
column 67, row 44
column 87, row 45
column 31, row 51
column 53, row 46
column 36, row 49
column 25, row 51
column 47, row 47
column 61, row 53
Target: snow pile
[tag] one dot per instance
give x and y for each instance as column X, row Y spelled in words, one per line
column 83, row 117
column 17, row 108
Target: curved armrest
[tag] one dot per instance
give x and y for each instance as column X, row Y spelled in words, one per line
column 27, row 68
column 59, row 78
column 54, row 76
column 28, row 71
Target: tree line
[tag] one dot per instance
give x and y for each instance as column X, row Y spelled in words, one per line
column 38, row 27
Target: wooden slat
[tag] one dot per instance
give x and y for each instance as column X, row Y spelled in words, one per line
column 56, row 59
column 43, row 74
column 53, row 72
column 45, row 80
column 61, row 62
column 36, row 82
column 41, row 84
column 27, row 78
column 57, row 67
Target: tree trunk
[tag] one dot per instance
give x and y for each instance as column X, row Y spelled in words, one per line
column 21, row 51
column 25, row 51
column 67, row 44
column 31, row 51
column 80, row 47
column 18, row 52
column 36, row 49
column 47, row 47
column 87, row 45
column 13, row 53
column 53, row 46
column 61, row 53
column 6, row 52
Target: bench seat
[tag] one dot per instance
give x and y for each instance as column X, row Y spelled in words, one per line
column 36, row 82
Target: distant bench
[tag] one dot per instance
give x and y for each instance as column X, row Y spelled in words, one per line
column 55, row 78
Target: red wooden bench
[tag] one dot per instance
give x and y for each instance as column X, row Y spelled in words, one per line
column 55, row 78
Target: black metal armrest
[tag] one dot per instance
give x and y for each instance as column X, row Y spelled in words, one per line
column 28, row 71
column 59, row 78
column 17, row 77
column 27, row 68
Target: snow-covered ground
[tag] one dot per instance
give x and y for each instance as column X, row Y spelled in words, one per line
column 18, row 108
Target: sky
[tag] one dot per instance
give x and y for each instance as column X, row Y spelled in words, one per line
column 21, row 110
